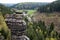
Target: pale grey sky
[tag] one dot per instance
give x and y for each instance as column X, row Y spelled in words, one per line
column 19, row 1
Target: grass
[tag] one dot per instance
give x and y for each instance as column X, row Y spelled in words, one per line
column 29, row 12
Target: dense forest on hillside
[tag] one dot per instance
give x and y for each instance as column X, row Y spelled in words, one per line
column 39, row 31
column 5, row 9
column 52, row 7
column 28, row 5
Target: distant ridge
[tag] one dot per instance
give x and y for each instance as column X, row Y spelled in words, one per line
column 28, row 5
column 8, row 4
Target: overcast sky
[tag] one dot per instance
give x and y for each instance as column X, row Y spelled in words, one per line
column 19, row 1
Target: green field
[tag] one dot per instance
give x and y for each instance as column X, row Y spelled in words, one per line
column 29, row 12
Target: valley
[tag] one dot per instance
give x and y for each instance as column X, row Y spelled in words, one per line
column 30, row 21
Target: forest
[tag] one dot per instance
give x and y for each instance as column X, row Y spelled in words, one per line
column 52, row 7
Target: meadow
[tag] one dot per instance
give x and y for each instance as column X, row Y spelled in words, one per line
column 29, row 12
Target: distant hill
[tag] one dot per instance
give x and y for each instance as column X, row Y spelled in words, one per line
column 28, row 5
column 8, row 4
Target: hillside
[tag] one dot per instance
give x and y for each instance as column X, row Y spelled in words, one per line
column 4, row 30
column 52, row 7
column 48, row 19
column 28, row 5
column 4, row 9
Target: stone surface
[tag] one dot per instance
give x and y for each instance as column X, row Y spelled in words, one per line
column 16, row 23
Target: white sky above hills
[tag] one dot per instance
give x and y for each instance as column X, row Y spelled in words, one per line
column 19, row 1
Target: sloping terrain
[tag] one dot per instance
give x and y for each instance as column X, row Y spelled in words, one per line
column 5, row 9
column 5, row 32
column 49, row 18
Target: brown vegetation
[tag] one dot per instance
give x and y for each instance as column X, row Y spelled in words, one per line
column 49, row 18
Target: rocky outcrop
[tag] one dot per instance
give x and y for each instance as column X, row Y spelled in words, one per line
column 16, row 23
